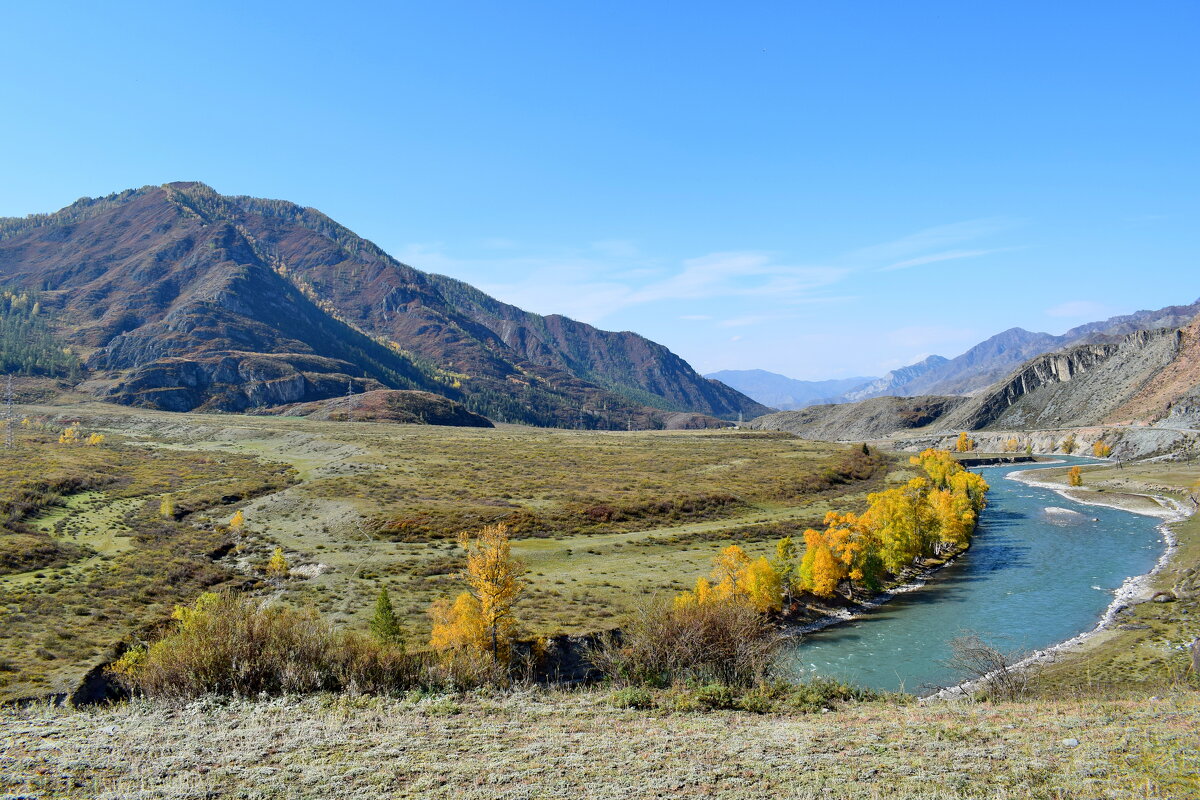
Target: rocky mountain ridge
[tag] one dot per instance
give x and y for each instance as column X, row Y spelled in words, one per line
column 1146, row 377
column 992, row 359
column 184, row 299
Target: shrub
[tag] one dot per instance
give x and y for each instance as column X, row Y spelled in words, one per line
column 975, row 660
column 717, row 696
column 633, row 697
column 821, row 693
column 723, row 642
column 232, row 644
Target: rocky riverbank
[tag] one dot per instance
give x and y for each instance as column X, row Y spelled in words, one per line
column 1135, row 590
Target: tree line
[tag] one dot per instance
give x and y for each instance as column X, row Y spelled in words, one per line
column 926, row 517
column 28, row 346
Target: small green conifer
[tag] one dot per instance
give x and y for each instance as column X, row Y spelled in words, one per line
column 384, row 625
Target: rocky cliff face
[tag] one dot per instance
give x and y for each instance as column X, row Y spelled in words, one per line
column 994, row 358
column 1081, row 385
column 181, row 298
column 1148, row 376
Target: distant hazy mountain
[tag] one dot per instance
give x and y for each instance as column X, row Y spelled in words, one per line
column 780, row 391
column 994, row 358
column 1139, row 377
column 895, row 381
column 180, row 298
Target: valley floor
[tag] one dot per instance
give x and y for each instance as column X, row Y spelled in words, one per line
column 577, row 745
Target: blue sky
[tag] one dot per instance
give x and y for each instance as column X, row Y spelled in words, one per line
column 818, row 189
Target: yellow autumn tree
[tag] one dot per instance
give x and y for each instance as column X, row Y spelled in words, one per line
column 1075, row 476
column 1069, row 444
column 728, row 566
column 237, row 520
column 737, row 578
column 277, row 566
column 70, row 435
column 1101, row 449
column 702, row 593
column 457, row 625
column 95, row 439
column 939, row 465
column 167, row 507
column 482, row 618
column 761, row 586
column 819, row 571
column 965, row 443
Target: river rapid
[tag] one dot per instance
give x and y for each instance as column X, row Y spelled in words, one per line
column 1042, row 569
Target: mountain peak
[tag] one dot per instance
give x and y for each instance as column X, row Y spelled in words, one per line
column 189, row 299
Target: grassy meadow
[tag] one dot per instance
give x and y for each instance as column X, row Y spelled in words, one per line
column 600, row 518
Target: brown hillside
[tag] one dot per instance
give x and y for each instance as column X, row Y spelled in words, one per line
column 1173, row 381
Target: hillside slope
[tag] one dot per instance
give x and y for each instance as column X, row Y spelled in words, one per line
column 866, row 419
column 181, row 298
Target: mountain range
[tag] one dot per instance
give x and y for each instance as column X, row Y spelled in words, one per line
column 1147, row 377
column 780, row 391
column 973, row 371
column 180, row 298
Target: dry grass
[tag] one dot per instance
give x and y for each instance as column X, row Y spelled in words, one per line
column 114, row 564
column 579, row 745
column 607, row 518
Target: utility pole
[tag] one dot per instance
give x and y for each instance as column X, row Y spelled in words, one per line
column 350, row 401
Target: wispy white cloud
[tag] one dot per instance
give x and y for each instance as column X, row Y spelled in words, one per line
column 617, row 248
column 949, row 255
column 590, row 288
column 936, row 238
column 1078, row 309
column 753, row 319
column 499, row 243
column 933, row 245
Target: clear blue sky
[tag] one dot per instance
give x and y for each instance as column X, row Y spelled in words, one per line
column 820, row 189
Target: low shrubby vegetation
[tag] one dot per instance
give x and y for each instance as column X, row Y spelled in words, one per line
column 725, row 642
column 86, row 556
column 232, row 644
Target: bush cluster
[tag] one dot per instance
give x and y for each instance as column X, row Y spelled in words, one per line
column 234, row 645
column 723, row 642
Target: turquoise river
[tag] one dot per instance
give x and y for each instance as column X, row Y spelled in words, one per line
column 1041, row 569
